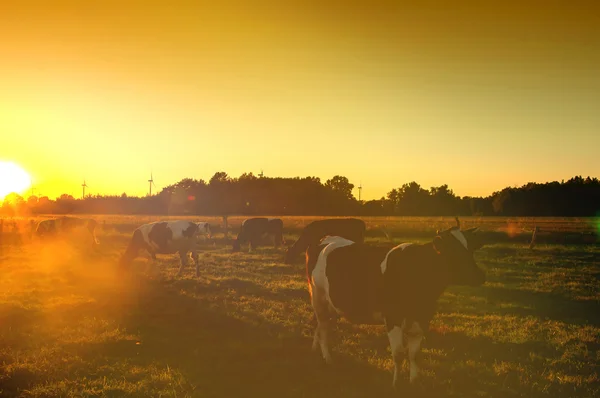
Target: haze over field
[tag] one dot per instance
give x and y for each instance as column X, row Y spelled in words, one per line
column 477, row 96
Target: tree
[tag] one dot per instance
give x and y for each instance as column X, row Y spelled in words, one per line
column 219, row 177
column 340, row 185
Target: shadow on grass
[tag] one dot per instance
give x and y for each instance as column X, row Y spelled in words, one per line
column 224, row 356
column 543, row 305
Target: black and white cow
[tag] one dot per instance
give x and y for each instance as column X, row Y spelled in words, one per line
column 398, row 288
column 255, row 230
column 349, row 228
column 64, row 225
column 166, row 237
column 204, row 228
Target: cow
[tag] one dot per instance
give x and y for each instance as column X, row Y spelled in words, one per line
column 254, row 230
column 166, row 237
column 63, row 225
column 350, row 228
column 205, row 229
column 398, row 288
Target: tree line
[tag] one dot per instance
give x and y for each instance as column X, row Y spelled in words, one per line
column 249, row 194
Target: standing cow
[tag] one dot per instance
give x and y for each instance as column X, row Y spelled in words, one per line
column 255, row 230
column 398, row 288
column 349, row 228
column 64, row 225
column 166, row 237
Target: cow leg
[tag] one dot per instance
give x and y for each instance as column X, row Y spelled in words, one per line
column 253, row 245
column 183, row 260
column 324, row 325
column 196, row 259
column 396, row 337
column 414, row 337
column 278, row 240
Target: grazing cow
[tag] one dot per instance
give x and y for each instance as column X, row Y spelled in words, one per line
column 254, row 230
column 349, row 228
column 204, row 229
column 64, row 225
column 166, row 237
column 398, row 288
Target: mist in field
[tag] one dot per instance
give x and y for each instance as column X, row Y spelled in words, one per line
column 72, row 323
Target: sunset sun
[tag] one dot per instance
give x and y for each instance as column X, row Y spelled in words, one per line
column 12, row 179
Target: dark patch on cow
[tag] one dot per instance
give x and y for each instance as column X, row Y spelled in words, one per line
column 413, row 282
column 135, row 245
column 418, row 275
column 355, row 281
column 161, row 235
column 352, row 229
column 190, row 230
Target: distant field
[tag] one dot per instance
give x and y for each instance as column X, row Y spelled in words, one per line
column 71, row 326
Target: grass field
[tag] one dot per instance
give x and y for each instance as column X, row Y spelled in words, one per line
column 71, row 326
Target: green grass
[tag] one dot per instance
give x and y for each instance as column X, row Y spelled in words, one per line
column 71, row 326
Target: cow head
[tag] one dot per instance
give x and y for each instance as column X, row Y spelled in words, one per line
column 453, row 246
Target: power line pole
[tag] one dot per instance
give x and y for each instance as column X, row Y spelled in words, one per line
column 84, row 185
column 359, row 191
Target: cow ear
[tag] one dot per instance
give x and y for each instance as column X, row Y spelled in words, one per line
column 437, row 244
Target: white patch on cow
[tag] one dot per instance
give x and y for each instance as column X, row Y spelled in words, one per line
column 203, row 228
column 321, row 302
column 460, row 237
column 414, row 336
column 319, row 278
column 401, row 246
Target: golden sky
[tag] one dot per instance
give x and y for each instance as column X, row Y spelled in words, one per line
column 477, row 95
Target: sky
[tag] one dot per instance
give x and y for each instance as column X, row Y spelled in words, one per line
column 477, row 95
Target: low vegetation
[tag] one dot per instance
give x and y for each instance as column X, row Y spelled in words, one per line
column 71, row 325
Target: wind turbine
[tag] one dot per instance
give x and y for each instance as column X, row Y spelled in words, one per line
column 151, row 182
column 84, row 185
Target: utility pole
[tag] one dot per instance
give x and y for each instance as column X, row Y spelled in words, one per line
column 84, row 185
column 359, row 191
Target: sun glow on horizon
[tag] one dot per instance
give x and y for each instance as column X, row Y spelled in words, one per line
column 12, row 179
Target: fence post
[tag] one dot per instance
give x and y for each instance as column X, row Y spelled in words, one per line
column 226, row 228
column 535, row 231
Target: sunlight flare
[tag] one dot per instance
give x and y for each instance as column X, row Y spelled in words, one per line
column 12, row 179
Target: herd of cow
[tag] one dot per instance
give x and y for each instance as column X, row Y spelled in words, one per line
column 366, row 284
